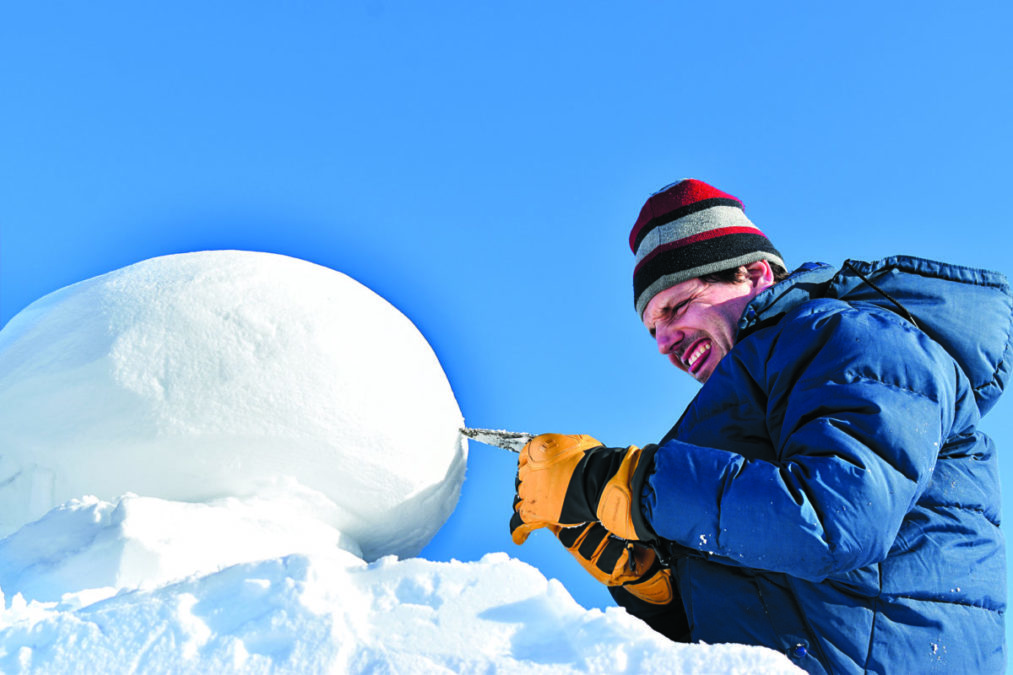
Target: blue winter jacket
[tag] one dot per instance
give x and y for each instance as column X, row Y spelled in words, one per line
column 827, row 492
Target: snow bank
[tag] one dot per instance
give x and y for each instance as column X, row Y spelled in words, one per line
column 133, row 586
column 205, row 375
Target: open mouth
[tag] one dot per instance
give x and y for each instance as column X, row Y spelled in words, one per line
column 696, row 358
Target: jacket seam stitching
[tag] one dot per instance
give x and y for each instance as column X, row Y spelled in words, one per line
column 991, row 520
column 919, row 394
column 943, row 601
column 960, row 507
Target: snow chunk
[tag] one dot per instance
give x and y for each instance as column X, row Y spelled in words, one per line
column 205, row 375
column 89, row 549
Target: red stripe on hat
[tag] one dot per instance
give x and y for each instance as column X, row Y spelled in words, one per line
column 693, row 238
column 680, row 195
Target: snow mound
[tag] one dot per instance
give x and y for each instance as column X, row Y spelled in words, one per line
column 207, row 375
column 90, row 588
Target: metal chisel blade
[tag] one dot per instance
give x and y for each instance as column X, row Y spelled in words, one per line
column 513, row 441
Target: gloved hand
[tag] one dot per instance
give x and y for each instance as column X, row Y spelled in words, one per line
column 571, row 480
column 615, row 562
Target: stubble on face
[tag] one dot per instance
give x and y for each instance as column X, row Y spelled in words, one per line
column 694, row 323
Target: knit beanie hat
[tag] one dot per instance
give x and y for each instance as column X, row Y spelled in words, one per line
column 689, row 229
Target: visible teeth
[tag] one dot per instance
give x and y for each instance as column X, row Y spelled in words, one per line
column 697, row 353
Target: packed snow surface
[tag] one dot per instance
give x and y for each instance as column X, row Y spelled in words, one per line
column 214, row 374
column 240, row 586
column 211, row 463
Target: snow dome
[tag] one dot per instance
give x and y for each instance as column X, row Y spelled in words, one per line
column 206, row 375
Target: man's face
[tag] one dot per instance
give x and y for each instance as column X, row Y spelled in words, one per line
column 694, row 322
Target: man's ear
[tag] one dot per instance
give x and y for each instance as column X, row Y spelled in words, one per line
column 761, row 276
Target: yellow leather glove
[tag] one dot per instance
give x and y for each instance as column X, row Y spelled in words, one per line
column 615, row 562
column 571, row 480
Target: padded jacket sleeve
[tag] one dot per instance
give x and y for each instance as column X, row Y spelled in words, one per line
column 857, row 406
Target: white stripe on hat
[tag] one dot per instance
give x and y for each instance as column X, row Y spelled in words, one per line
column 708, row 219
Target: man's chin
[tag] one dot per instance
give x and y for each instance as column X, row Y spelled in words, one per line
column 704, row 373
column 700, row 376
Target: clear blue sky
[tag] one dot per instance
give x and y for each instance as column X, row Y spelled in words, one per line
column 479, row 164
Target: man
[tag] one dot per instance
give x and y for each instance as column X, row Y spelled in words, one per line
column 827, row 492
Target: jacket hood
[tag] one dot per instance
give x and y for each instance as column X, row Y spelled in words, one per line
column 968, row 311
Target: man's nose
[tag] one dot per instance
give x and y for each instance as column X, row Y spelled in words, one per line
column 667, row 338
